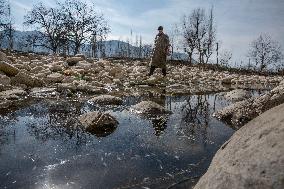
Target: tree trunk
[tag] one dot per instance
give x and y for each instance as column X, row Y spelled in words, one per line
column 54, row 49
column 190, row 58
column 76, row 50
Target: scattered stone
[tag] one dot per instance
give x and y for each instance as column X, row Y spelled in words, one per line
column 5, row 80
column 37, row 69
column 81, row 56
column 107, row 100
column 8, row 69
column 55, row 78
column 66, row 86
column 73, row 60
column 98, row 123
column 227, row 80
column 10, row 94
column 43, row 92
column 6, row 103
column 252, row 158
column 149, row 107
column 29, row 81
column 56, row 68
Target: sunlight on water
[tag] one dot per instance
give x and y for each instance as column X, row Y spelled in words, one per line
column 43, row 145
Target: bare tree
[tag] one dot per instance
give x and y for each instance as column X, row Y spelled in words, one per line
column 49, row 21
column 9, row 29
column 190, row 36
column 198, row 20
column 6, row 23
column 83, row 23
column 264, row 52
column 3, row 12
column 199, row 33
column 225, row 58
column 210, row 37
column 174, row 36
column 33, row 40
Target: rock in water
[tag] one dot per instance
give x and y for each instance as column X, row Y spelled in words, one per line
column 241, row 112
column 237, row 95
column 8, row 69
column 252, row 158
column 149, row 107
column 98, row 123
column 107, row 100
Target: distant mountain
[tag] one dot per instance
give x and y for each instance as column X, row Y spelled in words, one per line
column 20, row 41
column 110, row 48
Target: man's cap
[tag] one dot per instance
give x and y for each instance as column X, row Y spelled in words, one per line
column 160, row 28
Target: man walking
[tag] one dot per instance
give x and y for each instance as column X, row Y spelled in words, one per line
column 161, row 50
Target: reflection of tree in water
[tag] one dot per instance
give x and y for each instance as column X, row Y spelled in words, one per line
column 159, row 124
column 6, row 134
column 8, row 117
column 57, row 120
column 196, row 115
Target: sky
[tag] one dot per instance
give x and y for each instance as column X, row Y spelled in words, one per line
column 238, row 22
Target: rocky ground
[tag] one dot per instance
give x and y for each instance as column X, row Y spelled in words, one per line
column 77, row 74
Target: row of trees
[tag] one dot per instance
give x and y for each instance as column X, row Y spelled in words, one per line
column 74, row 25
column 197, row 32
column 69, row 24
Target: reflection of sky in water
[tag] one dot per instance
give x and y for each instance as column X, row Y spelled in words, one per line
column 42, row 145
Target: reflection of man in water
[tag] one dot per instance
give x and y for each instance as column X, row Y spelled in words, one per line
column 159, row 123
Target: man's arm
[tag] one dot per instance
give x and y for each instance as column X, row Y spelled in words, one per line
column 168, row 45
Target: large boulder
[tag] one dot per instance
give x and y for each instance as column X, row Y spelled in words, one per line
column 252, row 158
column 8, row 69
column 107, row 100
column 149, row 107
column 237, row 95
column 98, row 123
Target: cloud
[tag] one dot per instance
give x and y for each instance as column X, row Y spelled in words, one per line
column 238, row 22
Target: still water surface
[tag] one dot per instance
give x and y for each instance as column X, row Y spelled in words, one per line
column 43, row 146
